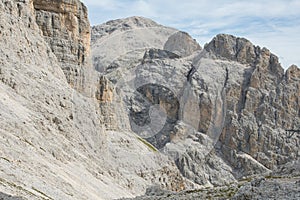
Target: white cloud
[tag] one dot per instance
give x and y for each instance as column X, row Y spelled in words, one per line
column 274, row 24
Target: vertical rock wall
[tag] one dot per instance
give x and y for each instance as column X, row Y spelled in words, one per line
column 66, row 28
column 261, row 107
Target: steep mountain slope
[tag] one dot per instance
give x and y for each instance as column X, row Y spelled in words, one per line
column 53, row 142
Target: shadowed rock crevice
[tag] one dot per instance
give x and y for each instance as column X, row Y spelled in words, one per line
column 165, row 99
column 191, row 73
column 244, row 89
column 9, row 197
column 152, row 54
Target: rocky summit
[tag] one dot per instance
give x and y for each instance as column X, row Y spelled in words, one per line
column 133, row 109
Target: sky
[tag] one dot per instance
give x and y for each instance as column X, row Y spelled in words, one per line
column 273, row 24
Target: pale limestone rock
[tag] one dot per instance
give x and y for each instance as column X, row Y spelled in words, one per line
column 162, row 78
column 122, row 42
column 182, row 44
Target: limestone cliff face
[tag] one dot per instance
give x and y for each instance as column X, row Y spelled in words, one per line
column 66, row 28
column 266, row 103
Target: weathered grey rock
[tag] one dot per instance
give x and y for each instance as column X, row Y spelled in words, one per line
column 122, row 25
column 264, row 106
column 167, row 81
column 277, row 188
column 259, row 188
column 233, row 48
column 123, row 42
column 182, row 44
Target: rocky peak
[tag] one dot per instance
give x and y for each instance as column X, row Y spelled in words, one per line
column 243, row 51
column 243, row 89
column 122, row 25
column 134, row 35
column 232, row 48
column 132, row 22
column 182, row 44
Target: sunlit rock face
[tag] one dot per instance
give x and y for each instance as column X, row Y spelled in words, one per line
column 66, row 28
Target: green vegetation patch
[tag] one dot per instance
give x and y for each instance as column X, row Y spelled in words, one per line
column 150, row 146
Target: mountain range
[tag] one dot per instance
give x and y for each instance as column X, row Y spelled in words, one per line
column 134, row 109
